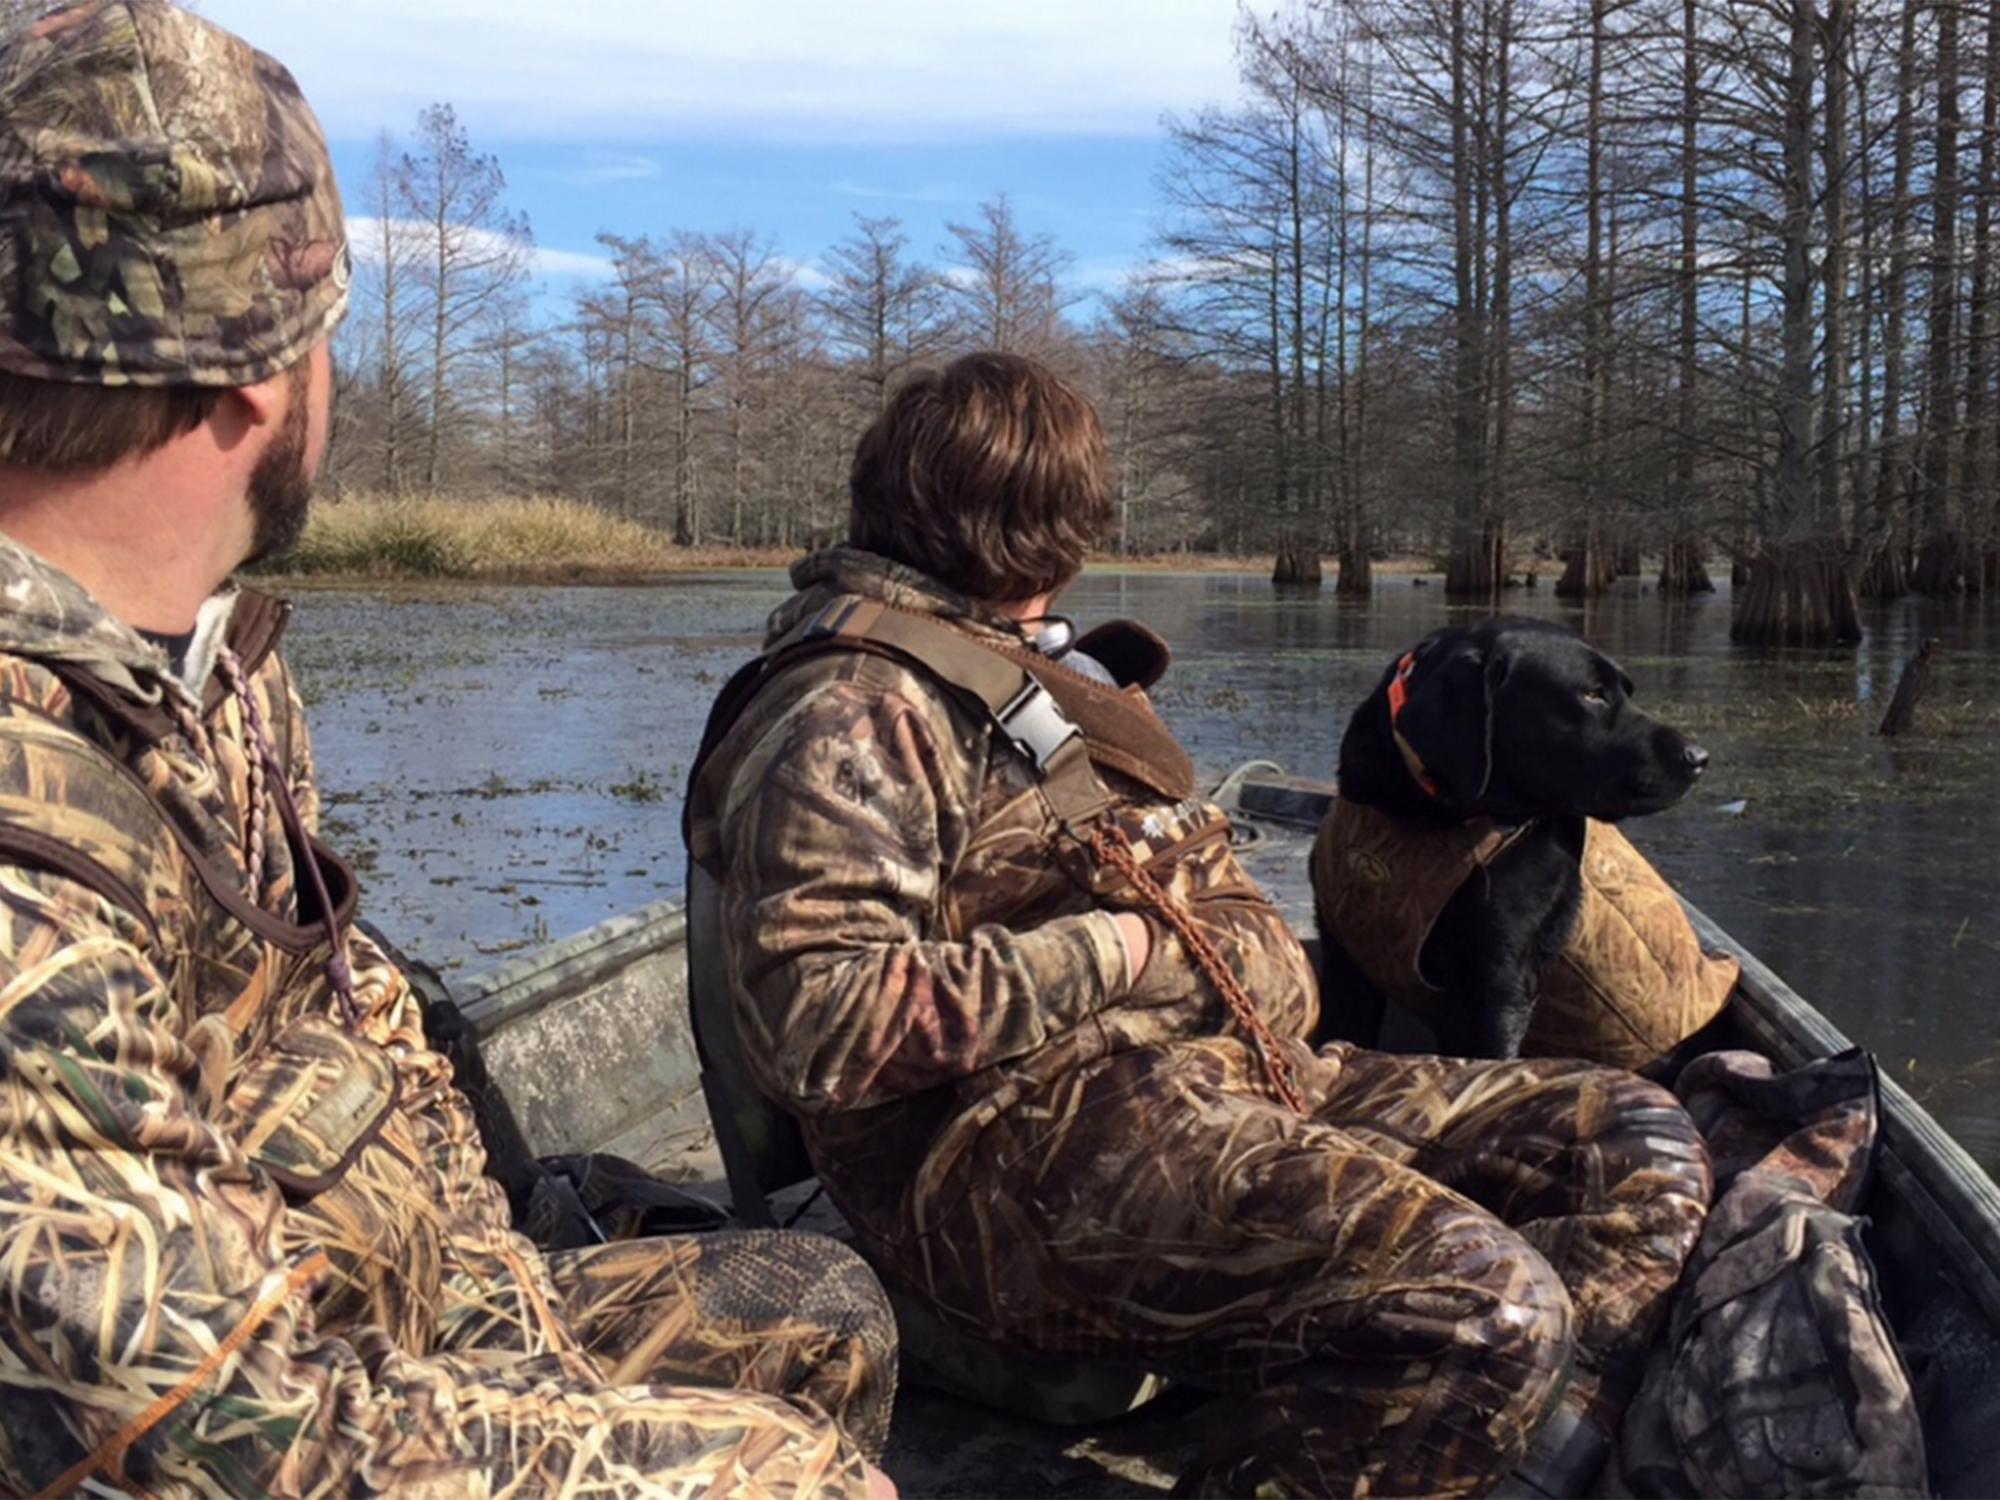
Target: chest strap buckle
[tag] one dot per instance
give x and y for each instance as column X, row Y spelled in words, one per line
column 1035, row 725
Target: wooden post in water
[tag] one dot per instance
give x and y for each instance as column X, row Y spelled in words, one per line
column 1916, row 677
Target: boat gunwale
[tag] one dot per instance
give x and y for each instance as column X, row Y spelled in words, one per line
column 521, row 987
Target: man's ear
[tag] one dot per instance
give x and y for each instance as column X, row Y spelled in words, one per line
column 1445, row 718
column 248, row 409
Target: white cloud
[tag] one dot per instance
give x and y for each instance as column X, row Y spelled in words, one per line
column 551, row 262
column 849, row 189
column 364, row 239
column 600, row 167
column 887, row 70
column 805, row 274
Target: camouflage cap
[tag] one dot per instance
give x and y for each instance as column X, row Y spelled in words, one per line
column 168, row 214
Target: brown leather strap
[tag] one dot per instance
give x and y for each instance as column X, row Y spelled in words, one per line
column 339, row 973
column 1022, row 709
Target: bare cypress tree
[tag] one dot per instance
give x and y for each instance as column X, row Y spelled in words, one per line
column 1980, row 364
column 1009, row 282
column 1682, row 567
column 883, row 312
column 1227, row 237
column 1590, row 565
column 1357, row 535
column 624, row 318
column 1885, row 562
column 1942, row 553
column 686, row 358
column 475, row 253
column 508, row 339
column 1798, row 591
column 390, row 254
column 1835, row 47
column 749, row 280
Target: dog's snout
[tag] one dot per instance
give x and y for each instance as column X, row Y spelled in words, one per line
column 1696, row 758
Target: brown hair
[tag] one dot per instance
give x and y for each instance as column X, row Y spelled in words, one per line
column 990, row 476
column 61, row 428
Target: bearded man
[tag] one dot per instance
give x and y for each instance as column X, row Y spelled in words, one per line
column 249, row 1246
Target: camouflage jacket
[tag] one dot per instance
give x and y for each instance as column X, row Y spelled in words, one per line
column 913, row 942
column 248, row 1251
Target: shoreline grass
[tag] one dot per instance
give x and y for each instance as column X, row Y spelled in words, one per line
column 432, row 538
column 541, row 539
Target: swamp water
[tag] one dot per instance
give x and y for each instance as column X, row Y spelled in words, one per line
column 506, row 765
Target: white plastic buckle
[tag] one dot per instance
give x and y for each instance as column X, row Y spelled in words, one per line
column 1035, row 725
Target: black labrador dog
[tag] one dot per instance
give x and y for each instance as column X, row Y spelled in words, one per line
column 1523, row 722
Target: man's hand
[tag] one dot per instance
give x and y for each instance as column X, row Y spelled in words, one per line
column 1138, row 942
column 880, row 1485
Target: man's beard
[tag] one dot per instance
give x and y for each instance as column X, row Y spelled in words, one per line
column 280, row 487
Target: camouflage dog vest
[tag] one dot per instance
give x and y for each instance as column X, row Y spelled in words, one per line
column 1631, row 982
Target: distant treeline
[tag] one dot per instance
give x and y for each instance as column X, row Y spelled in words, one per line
column 1709, row 279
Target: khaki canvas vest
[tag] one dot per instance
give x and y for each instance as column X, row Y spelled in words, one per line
column 1630, row 984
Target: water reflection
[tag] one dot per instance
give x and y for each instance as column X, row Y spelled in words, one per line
column 510, row 763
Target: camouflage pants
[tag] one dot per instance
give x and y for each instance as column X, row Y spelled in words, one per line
column 789, row 1315
column 1397, row 1287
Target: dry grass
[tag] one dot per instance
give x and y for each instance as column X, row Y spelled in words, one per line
column 542, row 538
column 428, row 537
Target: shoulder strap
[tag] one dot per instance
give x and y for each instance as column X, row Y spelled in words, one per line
column 1022, row 711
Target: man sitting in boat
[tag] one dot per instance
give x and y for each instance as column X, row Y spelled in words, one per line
column 1048, row 1041
column 249, row 1248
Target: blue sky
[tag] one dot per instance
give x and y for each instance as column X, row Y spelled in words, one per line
column 781, row 115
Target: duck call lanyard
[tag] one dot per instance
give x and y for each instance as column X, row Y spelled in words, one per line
column 1111, row 847
column 266, row 768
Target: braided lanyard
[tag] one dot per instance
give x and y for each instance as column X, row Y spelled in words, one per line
column 1110, row 845
column 339, row 973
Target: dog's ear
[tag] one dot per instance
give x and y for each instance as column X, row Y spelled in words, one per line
column 1446, row 717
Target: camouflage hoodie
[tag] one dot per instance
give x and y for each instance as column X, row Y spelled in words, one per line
column 246, row 1250
column 914, row 944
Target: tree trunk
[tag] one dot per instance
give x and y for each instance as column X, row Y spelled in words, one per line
column 687, row 523
column 1941, row 558
column 1469, row 572
column 1885, row 569
column 1682, row 570
column 1297, row 564
column 1587, row 568
column 1499, row 484
column 1357, row 566
column 1798, row 592
column 1831, row 519
column 1910, row 689
column 1979, row 361
column 1590, row 567
column 392, row 374
column 1796, row 595
column 1357, row 562
column 440, row 322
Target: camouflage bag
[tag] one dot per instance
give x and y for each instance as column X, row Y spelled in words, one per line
column 1779, row 1375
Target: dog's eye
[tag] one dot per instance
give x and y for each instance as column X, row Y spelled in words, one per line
column 1595, row 697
